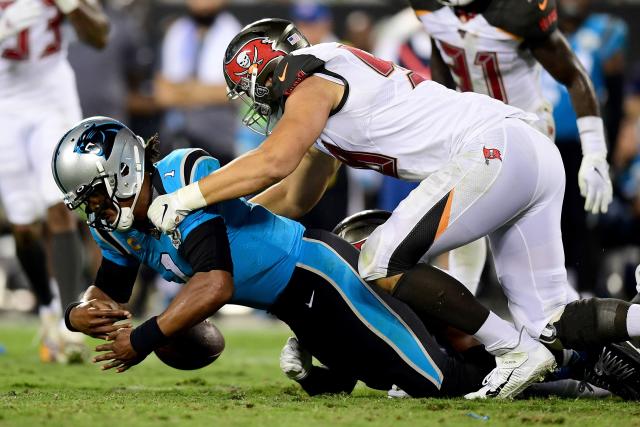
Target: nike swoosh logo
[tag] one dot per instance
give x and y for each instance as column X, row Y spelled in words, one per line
column 542, row 5
column 310, row 303
column 164, row 212
column 494, row 393
column 282, row 76
column 598, row 172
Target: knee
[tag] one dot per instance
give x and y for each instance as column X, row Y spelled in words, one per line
column 60, row 219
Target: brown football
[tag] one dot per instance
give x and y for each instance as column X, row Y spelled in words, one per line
column 193, row 349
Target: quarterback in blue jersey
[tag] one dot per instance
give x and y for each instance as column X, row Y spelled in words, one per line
column 239, row 252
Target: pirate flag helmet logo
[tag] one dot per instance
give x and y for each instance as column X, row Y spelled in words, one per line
column 250, row 61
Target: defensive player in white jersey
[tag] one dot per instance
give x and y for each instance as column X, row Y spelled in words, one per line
column 483, row 170
column 38, row 103
column 497, row 47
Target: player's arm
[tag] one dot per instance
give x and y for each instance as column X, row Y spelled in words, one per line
column 191, row 93
column 299, row 192
column 440, row 72
column 206, row 249
column 88, row 19
column 307, row 111
column 555, row 55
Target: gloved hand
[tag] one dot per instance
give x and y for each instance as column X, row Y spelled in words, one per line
column 594, row 183
column 168, row 210
column 295, row 361
column 20, row 15
column 67, row 6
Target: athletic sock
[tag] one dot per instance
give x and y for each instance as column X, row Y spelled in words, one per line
column 633, row 321
column 32, row 259
column 500, row 337
column 68, row 259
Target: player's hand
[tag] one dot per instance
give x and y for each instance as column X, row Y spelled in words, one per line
column 119, row 352
column 168, row 210
column 594, row 183
column 166, row 213
column 20, row 15
column 295, row 361
column 97, row 318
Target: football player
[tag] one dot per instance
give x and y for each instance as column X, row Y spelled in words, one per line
column 497, row 47
column 38, row 103
column 340, row 104
column 238, row 252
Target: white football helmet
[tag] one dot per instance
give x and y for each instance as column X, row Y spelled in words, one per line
column 100, row 153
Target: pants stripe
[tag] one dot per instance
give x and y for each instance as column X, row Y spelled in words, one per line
column 369, row 307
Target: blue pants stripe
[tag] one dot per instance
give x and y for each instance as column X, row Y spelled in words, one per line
column 320, row 258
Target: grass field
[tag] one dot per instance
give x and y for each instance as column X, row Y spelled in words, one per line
column 244, row 388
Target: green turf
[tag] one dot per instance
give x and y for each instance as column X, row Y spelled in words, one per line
column 244, row 387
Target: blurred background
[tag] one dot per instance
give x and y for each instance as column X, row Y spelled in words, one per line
column 161, row 71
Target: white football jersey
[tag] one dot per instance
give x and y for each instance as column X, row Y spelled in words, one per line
column 485, row 49
column 390, row 119
column 35, row 59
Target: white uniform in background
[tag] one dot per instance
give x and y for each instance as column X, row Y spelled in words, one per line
column 484, row 170
column 38, row 103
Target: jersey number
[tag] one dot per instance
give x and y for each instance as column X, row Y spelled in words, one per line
column 20, row 51
column 382, row 67
column 169, row 265
column 356, row 159
column 489, row 63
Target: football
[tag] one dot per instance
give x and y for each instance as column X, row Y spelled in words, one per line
column 193, row 349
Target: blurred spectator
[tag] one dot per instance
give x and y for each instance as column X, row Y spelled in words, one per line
column 599, row 41
column 359, row 30
column 314, row 20
column 191, row 84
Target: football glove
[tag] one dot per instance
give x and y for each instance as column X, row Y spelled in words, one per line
column 168, row 210
column 67, row 6
column 18, row 16
column 594, row 183
column 295, row 361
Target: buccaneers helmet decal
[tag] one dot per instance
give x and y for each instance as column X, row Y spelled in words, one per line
column 256, row 54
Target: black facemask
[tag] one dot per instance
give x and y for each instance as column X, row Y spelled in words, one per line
column 203, row 20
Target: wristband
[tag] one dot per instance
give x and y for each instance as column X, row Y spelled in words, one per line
column 147, row 337
column 67, row 313
column 592, row 139
column 190, row 197
column 67, row 6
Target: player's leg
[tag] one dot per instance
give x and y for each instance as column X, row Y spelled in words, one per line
column 467, row 262
column 348, row 326
column 20, row 199
column 67, row 254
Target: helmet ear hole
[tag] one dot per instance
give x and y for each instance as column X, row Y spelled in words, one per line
column 124, row 170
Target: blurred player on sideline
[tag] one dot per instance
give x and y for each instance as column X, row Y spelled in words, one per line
column 496, row 47
column 38, row 103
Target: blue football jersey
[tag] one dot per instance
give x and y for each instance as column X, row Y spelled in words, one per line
column 264, row 247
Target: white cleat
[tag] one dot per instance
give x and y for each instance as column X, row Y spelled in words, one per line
column 397, row 393
column 514, row 372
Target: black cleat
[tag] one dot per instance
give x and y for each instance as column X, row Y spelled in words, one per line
column 617, row 369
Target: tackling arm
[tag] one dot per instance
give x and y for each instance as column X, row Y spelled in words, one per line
column 277, row 157
column 88, row 19
column 299, row 192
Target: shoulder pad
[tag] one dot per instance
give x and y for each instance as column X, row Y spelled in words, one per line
column 428, row 5
column 291, row 71
column 526, row 19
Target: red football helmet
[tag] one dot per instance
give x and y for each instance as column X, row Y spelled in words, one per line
column 249, row 63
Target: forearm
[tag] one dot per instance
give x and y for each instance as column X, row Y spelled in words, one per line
column 199, row 299
column 274, row 198
column 188, row 94
column 583, row 96
column 90, row 23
